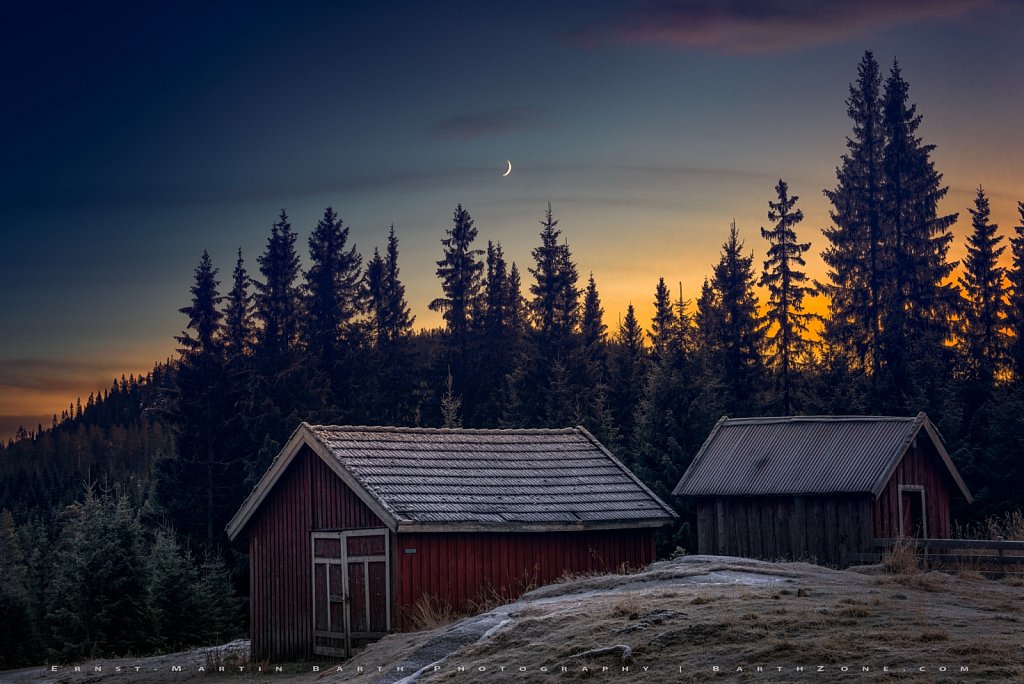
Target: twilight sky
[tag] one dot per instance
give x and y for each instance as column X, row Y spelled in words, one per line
column 135, row 135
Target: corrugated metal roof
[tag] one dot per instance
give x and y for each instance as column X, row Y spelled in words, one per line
column 801, row 455
column 426, row 475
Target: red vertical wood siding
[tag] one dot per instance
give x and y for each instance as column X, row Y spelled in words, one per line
column 309, row 496
column 462, row 568
column 921, row 466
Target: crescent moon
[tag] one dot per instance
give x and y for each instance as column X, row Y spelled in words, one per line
column 509, row 169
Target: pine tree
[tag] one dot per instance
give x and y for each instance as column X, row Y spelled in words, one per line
column 1015, row 310
column 459, row 271
column 332, row 290
column 238, row 312
column 985, row 309
column 203, row 316
column 788, row 346
column 278, row 299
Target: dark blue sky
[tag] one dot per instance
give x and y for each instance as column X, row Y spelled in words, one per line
column 137, row 134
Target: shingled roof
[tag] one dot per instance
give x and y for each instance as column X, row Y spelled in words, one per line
column 807, row 455
column 421, row 478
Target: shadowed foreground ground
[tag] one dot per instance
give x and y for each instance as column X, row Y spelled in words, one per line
column 676, row 622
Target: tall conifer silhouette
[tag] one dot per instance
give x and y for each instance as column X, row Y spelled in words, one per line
column 278, row 299
column 983, row 281
column 787, row 344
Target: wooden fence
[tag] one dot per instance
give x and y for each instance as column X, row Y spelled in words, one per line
column 982, row 554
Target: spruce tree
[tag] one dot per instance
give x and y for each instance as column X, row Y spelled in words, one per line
column 592, row 328
column 387, row 377
column 238, row 330
column 555, row 305
column 18, row 633
column 788, row 346
column 189, row 484
column 738, row 334
column 99, row 603
column 515, row 302
column 890, row 302
column 278, row 298
column 398, row 320
column 1015, row 310
column 627, row 371
column 984, row 332
column 459, row 270
column 219, row 608
column 856, row 257
column 171, row 576
column 496, row 294
column 332, row 290
column 203, row 316
column 663, row 322
column 916, row 313
column 373, row 295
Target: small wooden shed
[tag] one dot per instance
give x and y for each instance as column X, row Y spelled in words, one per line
column 350, row 526
column 819, row 487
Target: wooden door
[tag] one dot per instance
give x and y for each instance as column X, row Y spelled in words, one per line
column 913, row 519
column 351, row 589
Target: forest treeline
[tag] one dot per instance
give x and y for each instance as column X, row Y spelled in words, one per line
column 170, row 457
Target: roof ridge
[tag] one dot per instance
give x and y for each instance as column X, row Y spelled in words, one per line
column 444, row 431
column 756, row 420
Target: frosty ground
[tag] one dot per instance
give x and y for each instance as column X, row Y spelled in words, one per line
column 692, row 619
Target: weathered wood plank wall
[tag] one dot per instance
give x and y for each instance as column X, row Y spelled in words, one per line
column 824, row 529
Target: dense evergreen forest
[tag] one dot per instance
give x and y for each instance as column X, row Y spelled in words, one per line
column 116, row 510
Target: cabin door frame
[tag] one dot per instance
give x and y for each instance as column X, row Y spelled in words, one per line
column 912, row 503
column 351, row 577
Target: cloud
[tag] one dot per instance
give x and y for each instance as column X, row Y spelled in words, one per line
column 490, row 122
column 770, row 26
column 57, row 375
column 173, row 195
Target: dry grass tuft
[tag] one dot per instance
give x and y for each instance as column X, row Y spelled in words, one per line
column 430, row 612
column 929, row 634
column 902, row 559
column 628, row 606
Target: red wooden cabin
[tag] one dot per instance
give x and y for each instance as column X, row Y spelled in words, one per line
column 350, row 526
column 819, row 487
